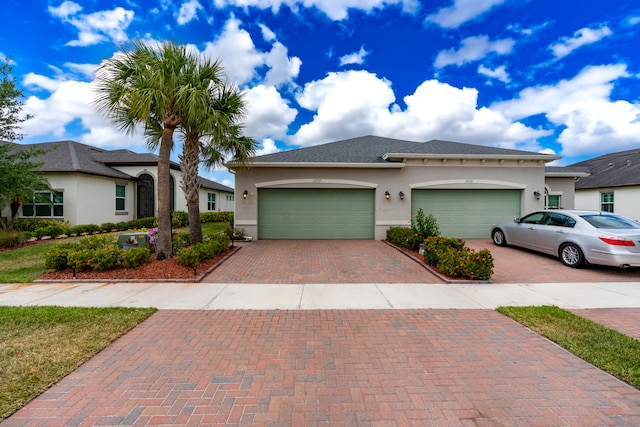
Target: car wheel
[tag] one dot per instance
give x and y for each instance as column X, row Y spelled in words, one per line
column 571, row 256
column 498, row 237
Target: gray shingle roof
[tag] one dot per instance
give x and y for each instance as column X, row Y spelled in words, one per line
column 611, row 170
column 71, row 156
column 372, row 149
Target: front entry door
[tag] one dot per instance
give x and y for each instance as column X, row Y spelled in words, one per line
column 146, row 206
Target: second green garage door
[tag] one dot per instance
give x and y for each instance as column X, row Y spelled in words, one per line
column 467, row 213
column 300, row 213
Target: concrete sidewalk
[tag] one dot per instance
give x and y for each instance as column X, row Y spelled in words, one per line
column 214, row 296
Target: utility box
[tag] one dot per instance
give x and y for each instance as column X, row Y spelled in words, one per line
column 133, row 240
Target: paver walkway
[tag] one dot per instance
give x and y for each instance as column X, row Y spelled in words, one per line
column 334, row 368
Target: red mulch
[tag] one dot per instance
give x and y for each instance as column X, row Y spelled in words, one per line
column 151, row 270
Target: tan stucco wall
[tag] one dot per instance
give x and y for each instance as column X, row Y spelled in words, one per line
column 415, row 174
column 626, row 200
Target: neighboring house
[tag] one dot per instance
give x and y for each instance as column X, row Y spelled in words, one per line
column 358, row 188
column 613, row 185
column 90, row 185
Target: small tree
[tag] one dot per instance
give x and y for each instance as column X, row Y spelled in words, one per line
column 424, row 225
column 19, row 178
column 18, row 173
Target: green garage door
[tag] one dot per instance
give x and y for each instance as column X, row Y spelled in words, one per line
column 467, row 213
column 300, row 213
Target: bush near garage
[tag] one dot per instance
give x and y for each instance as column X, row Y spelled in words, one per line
column 211, row 247
column 422, row 227
column 456, row 261
column 404, row 237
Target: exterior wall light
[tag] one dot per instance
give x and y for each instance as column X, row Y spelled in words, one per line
column 401, row 194
column 537, row 195
column 245, row 194
column 387, row 195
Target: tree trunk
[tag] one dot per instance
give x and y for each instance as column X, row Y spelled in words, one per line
column 15, row 205
column 189, row 162
column 164, row 246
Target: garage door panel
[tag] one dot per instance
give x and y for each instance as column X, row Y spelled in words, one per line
column 315, row 214
column 467, row 213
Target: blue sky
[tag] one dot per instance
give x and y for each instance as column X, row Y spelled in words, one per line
column 549, row 76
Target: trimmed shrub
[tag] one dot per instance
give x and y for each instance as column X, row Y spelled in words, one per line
column 216, row 217
column 434, row 246
column 206, row 250
column 122, row 226
column 10, row 239
column 57, row 258
column 108, row 226
column 81, row 259
column 188, row 257
column 99, row 241
column 29, row 224
column 466, row 264
column 134, row 257
column 179, row 219
column 181, row 239
column 51, row 230
column 404, row 237
column 105, row 258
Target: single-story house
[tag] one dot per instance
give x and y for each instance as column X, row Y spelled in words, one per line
column 613, row 184
column 358, row 188
column 91, row 185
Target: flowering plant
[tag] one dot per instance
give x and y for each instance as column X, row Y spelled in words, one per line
column 153, row 235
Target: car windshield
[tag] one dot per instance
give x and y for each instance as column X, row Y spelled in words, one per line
column 610, row 221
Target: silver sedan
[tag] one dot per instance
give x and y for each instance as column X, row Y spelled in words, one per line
column 576, row 237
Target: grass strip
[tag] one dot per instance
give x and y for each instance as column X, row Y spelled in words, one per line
column 608, row 349
column 41, row 345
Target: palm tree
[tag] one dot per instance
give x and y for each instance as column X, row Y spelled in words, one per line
column 212, row 134
column 146, row 87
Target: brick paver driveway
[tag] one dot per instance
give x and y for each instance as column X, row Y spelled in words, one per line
column 320, row 261
column 334, row 368
column 369, row 261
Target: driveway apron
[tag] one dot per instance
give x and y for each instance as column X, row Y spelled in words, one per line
column 319, row 261
column 334, row 368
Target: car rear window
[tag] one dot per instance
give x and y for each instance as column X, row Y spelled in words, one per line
column 610, row 221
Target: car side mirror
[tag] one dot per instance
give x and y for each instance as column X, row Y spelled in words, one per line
column 516, row 220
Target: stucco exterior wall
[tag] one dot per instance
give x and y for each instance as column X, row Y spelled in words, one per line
column 563, row 187
column 626, row 200
column 90, row 199
column 414, row 174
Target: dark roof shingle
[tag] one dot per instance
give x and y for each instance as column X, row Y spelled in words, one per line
column 611, row 170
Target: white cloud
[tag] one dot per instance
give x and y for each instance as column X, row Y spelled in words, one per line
column 86, row 70
column 267, row 34
column 66, row 9
column 282, row 69
column 355, row 103
column 238, row 53
column 582, row 37
column 461, row 12
column 188, row 12
column 268, row 147
column 355, row 58
column 269, row 114
column 473, row 49
column 583, row 107
column 499, row 73
column 68, row 112
column 94, row 27
column 334, row 9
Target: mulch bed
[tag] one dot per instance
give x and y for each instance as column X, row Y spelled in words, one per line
column 152, row 270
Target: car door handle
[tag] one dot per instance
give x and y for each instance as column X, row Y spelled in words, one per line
column 559, row 231
column 531, row 228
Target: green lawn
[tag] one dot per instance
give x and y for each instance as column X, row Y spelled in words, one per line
column 26, row 264
column 609, row 350
column 41, row 345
